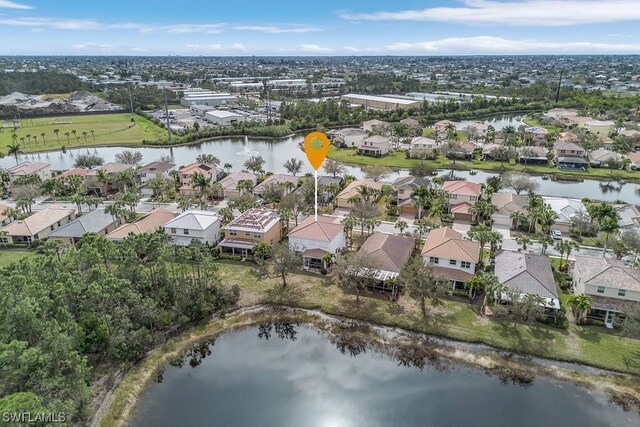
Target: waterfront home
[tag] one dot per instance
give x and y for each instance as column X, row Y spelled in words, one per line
column 600, row 127
column 253, row 226
column 154, row 170
column 185, row 175
column 41, row 170
column 375, row 145
column 349, row 137
column 613, row 287
column 488, row 149
column 95, row 221
column 230, row 182
column 287, row 183
column 477, row 131
column 568, row 137
column 411, row 123
column 315, row 239
column 537, row 134
column 326, row 186
column 507, row 204
column 343, row 199
column 110, row 171
column 422, row 147
column 441, row 128
column 389, row 253
column 462, row 191
column 566, row 210
column 528, row 274
column 628, row 217
column 571, row 163
column 567, row 149
column 403, row 188
column 462, row 151
column 604, row 157
column 194, row 225
column 533, row 155
column 634, row 160
column 150, row 223
column 37, row 226
column 451, row 256
column 376, row 126
column 72, row 172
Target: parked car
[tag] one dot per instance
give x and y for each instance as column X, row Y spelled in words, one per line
column 556, row 234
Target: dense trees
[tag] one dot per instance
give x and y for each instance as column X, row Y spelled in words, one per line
column 100, row 303
column 39, row 83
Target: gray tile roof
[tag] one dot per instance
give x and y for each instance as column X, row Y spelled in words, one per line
column 607, row 272
column 526, row 273
column 92, row 222
column 193, row 220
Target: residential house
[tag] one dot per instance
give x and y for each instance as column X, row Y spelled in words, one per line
column 614, row 288
column 604, row 157
column 194, row 225
column 566, row 210
column 533, row 155
column 462, row 195
column 253, row 226
column 567, row 149
column 462, row 151
column 634, row 159
column 288, row 183
column 537, row 134
column 42, row 170
column 343, row 199
column 155, row 170
column 376, row 126
column 628, row 217
column 568, row 137
column 477, row 131
column 185, row 175
column 411, row 123
column 528, row 274
column 451, row 256
column 422, row 147
column 37, row 226
column 375, row 145
column 230, row 182
column 81, row 172
column 154, row 221
column 349, row 137
column 95, row 221
column 315, row 239
column 403, row 188
column 111, row 171
column 4, row 220
column 389, row 253
column 571, row 163
column 507, row 204
column 600, row 127
column 325, row 184
column 441, row 128
column 487, row 150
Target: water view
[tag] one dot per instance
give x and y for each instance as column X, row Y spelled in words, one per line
column 289, row 375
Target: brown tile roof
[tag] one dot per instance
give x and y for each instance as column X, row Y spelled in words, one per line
column 451, row 273
column 462, row 188
column 634, row 157
column 156, row 167
column 509, row 202
column 388, row 251
column 559, row 145
column 203, row 168
column 73, row 172
column 110, row 168
column 352, row 189
column 462, row 208
column 150, row 223
column 607, row 272
column 26, row 168
column 325, row 229
column 275, row 179
column 38, row 221
column 447, row 243
column 231, row 181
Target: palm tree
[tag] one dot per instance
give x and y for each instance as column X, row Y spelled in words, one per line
column 67, row 135
column 184, row 203
column 44, row 141
column 580, row 305
column 84, row 133
column 73, row 132
column 56, row 132
column 401, row 225
column 482, row 211
column 293, row 166
column 488, row 284
column 524, row 241
column 484, row 235
column 547, row 218
column 227, row 167
column 226, row 215
column 285, row 217
column 103, row 178
column 124, row 179
column 93, row 135
column 534, row 208
column 518, row 218
column 565, row 247
column 545, row 241
column 349, row 223
column 608, row 225
column 327, row 259
column 509, row 132
column 14, row 150
column 419, row 198
column 28, row 136
column 452, row 134
column 51, row 186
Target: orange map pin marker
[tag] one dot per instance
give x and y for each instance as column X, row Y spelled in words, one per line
column 316, row 147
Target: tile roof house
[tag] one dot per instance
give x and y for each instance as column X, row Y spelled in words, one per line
column 567, row 149
column 38, row 225
column 421, row 146
column 253, row 226
column 451, row 256
column 463, row 151
column 403, row 187
column 230, row 182
column 527, row 274
column 111, row 170
column 185, row 175
column 42, row 170
column 349, row 137
column 533, row 155
column 634, row 157
column 376, row 125
column 507, row 203
column 375, row 145
column 154, row 170
column 462, row 193
column 287, row 182
column 194, row 225
column 628, row 217
column 601, row 156
column 314, row 239
column 95, row 221
column 539, row 134
column 72, row 172
column 389, row 252
column 566, row 210
column 150, row 223
column 342, row 199
column 614, row 288
column 410, row 122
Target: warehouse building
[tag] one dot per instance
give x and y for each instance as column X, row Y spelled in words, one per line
column 223, row 118
column 208, row 98
column 381, row 102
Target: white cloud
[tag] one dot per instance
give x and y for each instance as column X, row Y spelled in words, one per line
column 215, row 47
column 314, row 48
column 497, row 45
column 514, row 13
column 351, row 48
column 93, row 47
column 238, row 46
column 192, row 46
column 12, row 5
column 277, row 29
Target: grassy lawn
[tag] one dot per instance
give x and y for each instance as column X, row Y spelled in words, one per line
column 530, row 121
column 455, row 318
column 397, row 159
column 7, row 256
column 107, row 128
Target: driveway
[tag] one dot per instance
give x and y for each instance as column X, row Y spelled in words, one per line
column 461, row 227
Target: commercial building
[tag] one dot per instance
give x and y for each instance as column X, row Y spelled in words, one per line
column 381, row 102
column 223, row 118
column 208, row 98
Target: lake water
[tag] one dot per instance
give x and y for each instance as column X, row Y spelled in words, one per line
column 245, row 380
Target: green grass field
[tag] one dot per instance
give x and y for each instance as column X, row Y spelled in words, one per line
column 107, row 129
column 7, row 256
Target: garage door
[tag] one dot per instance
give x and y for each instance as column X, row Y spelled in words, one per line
column 501, row 220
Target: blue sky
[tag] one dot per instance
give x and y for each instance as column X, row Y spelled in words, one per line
column 328, row 27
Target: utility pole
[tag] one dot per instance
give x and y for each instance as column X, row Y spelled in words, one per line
column 559, row 83
column 130, row 100
column 166, row 114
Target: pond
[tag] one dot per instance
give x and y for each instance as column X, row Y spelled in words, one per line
column 292, row 375
column 498, row 122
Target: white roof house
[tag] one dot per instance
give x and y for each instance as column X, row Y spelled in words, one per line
column 190, row 225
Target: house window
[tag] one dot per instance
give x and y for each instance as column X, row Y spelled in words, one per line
column 233, row 233
column 453, row 196
column 257, row 235
column 434, row 260
column 59, row 224
column 465, row 264
column 600, row 290
column 186, row 231
column 563, row 151
column 51, row 228
column 473, row 198
column 453, row 262
column 622, row 292
column 4, row 240
column 173, row 231
column 247, row 233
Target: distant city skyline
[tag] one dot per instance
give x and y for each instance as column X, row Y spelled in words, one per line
column 373, row 27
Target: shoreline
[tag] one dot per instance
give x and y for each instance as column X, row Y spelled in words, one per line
column 120, row 402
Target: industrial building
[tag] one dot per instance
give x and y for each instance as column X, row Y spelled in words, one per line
column 200, row 110
column 208, row 98
column 381, row 102
column 223, row 118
